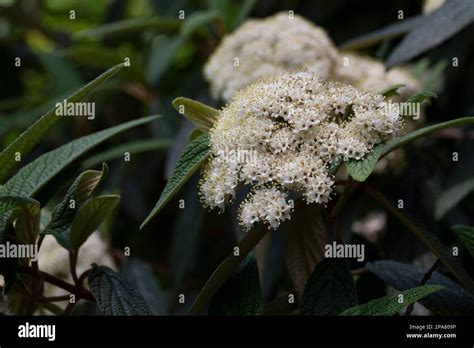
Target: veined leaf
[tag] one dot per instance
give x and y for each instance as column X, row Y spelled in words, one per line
column 11, row 206
column 360, row 169
column 448, row 199
column 192, row 158
column 35, row 175
column 241, row 294
column 29, row 138
column 143, row 277
column 89, row 217
column 390, row 305
column 330, row 289
column 64, row 213
column 466, row 234
column 200, row 115
column 115, row 295
column 452, row 300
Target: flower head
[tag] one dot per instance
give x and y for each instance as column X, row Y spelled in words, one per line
column 261, row 48
column 297, row 126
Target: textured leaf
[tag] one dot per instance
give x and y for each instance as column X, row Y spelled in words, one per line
column 192, row 158
column 390, row 31
column 142, row 276
column 133, row 148
column 32, row 177
column 11, row 207
column 29, row 138
column 360, row 169
column 115, row 295
column 63, row 214
column 448, row 199
column 200, row 115
column 241, row 294
column 453, row 299
column 435, row 28
column 89, row 217
column 330, row 289
column 306, row 236
column 35, row 175
column 389, row 305
column 466, row 234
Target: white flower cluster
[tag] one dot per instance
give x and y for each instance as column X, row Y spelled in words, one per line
column 267, row 47
column 297, row 125
column 263, row 48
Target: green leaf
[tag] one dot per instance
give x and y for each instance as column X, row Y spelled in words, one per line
column 11, row 207
column 200, row 115
column 433, row 29
column 466, row 234
column 192, row 158
column 115, row 295
column 330, row 289
column 241, row 294
column 360, row 170
column 64, row 213
column 142, row 275
column 9, row 203
column 390, row 305
column 194, row 134
column 305, row 239
column 89, row 217
column 422, row 132
column 34, row 176
column 134, row 147
column 421, row 97
column 452, row 300
column 29, row 138
column 449, row 198
column 392, row 90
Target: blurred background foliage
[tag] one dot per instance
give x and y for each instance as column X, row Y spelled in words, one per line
column 182, row 247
